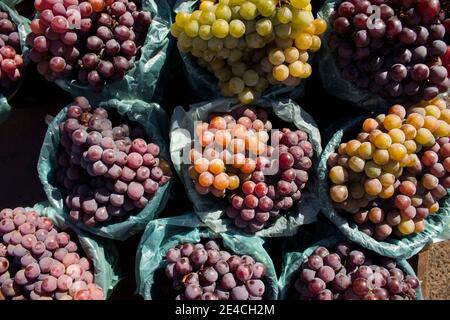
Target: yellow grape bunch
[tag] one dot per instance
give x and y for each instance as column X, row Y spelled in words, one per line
column 250, row 45
column 396, row 170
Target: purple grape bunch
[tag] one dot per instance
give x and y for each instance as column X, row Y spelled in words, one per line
column 37, row 262
column 345, row 272
column 397, row 54
column 266, row 196
column 107, row 171
column 96, row 42
column 206, row 272
column 11, row 60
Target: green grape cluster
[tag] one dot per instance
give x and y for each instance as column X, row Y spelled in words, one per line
column 250, row 45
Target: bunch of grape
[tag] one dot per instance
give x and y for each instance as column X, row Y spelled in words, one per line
column 396, row 171
column 107, row 171
column 393, row 48
column 228, row 149
column 205, row 272
column 11, row 60
column 264, row 174
column 251, row 44
column 268, row 195
column 39, row 263
column 95, row 41
column 346, row 273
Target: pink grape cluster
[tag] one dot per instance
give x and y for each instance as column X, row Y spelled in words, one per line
column 205, row 272
column 348, row 273
column 398, row 54
column 95, row 41
column 268, row 195
column 107, row 171
column 11, row 60
column 39, row 263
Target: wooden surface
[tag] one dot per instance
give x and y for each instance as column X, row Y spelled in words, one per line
column 433, row 270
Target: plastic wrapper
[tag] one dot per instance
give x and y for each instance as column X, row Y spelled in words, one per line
column 154, row 120
column 163, row 234
column 209, row 208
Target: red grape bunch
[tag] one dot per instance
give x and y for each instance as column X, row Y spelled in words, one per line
column 37, row 262
column 95, row 41
column 347, row 273
column 268, row 195
column 106, row 170
column 11, row 60
column 401, row 53
column 206, row 272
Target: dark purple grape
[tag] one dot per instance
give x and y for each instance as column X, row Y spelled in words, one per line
column 398, row 72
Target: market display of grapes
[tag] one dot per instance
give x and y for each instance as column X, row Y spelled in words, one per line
column 93, row 41
column 345, row 272
column 106, row 170
column 263, row 175
column 203, row 271
column 392, row 176
column 11, row 59
column 104, row 167
column 249, row 45
column 393, row 48
column 37, row 262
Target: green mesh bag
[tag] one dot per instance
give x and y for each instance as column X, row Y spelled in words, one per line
column 23, row 27
column 141, row 81
column 102, row 252
column 206, row 85
column 293, row 260
column 209, row 208
column 154, row 120
column 163, row 234
column 330, row 74
column 403, row 248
